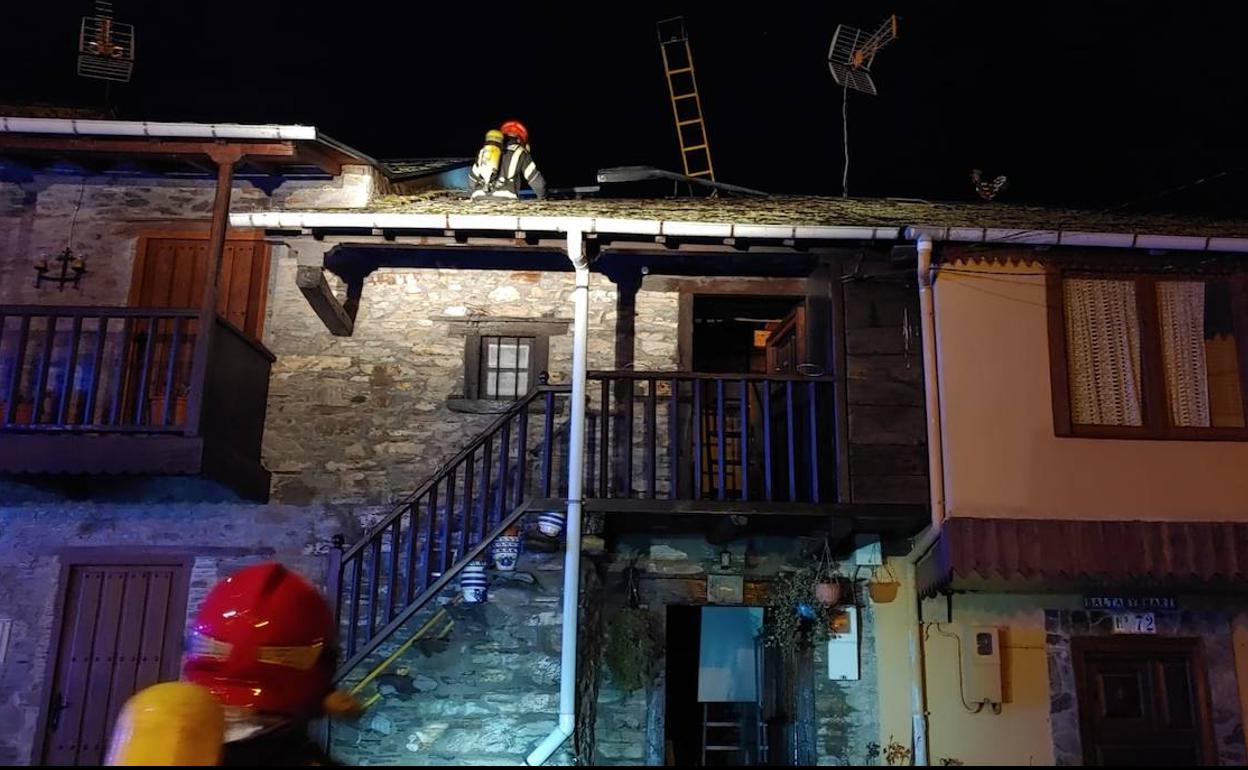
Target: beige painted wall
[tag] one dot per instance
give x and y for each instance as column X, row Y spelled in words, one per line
column 893, row 624
column 1001, row 457
column 1240, row 641
column 1020, row 734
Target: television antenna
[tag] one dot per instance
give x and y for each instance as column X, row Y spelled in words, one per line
column 850, row 57
column 105, row 46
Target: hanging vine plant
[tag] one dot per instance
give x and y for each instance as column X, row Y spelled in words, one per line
column 630, row 643
column 796, row 619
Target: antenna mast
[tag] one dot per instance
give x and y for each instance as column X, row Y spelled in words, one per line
column 850, row 57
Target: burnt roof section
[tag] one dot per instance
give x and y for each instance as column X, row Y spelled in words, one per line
column 401, row 170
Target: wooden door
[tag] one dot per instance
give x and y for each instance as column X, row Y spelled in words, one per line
column 1143, row 701
column 786, row 343
column 170, row 272
column 119, row 630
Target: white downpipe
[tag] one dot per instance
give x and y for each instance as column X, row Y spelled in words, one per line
column 936, row 479
column 931, row 382
column 576, row 475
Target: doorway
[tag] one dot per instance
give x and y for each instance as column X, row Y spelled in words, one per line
column 1143, row 701
column 716, row 694
column 118, row 629
column 740, row 334
column 731, row 332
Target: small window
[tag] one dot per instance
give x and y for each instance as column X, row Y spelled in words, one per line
column 506, row 372
column 504, row 359
column 1149, row 356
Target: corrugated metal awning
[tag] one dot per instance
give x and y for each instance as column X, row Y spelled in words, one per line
column 1045, row 554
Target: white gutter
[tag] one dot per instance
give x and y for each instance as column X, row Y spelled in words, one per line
column 576, row 476
column 155, row 130
column 1004, row 236
column 168, row 130
column 287, row 220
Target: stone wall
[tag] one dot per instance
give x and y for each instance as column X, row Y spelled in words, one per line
column 362, row 419
column 107, row 214
column 1213, row 628
column 487, row 693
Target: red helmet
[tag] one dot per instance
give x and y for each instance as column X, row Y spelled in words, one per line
column 515, row 128
column 264, row 639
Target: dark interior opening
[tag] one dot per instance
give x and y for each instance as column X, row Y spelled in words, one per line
column 723, row 731
column 724, row 329
column 683, row 712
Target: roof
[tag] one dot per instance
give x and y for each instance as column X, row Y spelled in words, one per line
column 817, row 212
column 1029, row 554
column 775, row 218
column 52, row 137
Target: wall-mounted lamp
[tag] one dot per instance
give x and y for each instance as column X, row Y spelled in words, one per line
column 72, row 268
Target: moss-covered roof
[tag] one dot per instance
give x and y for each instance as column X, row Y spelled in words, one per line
column 815, row 212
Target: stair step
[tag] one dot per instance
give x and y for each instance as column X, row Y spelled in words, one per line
column 723, row 748
column 723, row 724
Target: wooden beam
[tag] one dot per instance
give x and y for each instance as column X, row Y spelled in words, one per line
column 764, row 287
column 322, row 160
column 208, row 303
column 875, row 511
column 311, row 281
column 157, row 454
column 144, row 146
column 627, row 284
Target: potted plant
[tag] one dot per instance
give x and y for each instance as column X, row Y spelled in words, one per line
column 506, row 549
column 630, row 641
column 796, row 619
column 473, row 583
column 177, row 413
column 830, row 586
column 883, row 591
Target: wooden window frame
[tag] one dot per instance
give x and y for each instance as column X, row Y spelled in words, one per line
column 1155, row 411
column 540, row 330
column 539, row 356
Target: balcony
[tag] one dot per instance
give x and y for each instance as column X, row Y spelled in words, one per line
column 87, row 392
column 664, row 451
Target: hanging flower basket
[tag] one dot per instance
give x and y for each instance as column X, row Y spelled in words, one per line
column 831, row 588
column 829, row 592
column 884, row 591
column 796, row 619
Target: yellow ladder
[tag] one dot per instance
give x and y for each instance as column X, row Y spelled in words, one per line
column 682, row 86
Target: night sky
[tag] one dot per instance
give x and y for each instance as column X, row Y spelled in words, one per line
column 1089, row 104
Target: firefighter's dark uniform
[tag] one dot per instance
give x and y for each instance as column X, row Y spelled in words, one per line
column 286, row 746
column 517, row 163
